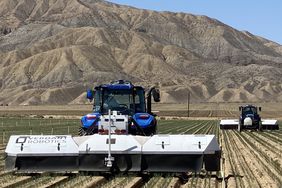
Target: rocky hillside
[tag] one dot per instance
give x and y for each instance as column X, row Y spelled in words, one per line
column 52, row 50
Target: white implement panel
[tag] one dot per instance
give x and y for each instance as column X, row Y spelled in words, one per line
column 122, row 144
column 38, row 145
column 269, row 122
column 180, row 144
column 229, row 122
column 236, row 122
column 40, row 153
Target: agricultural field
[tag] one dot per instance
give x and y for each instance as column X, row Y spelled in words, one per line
column 249, row 159
column 206, row 110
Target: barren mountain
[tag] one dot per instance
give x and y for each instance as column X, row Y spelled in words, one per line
column 52, row 50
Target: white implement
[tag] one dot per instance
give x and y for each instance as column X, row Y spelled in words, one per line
column 159, row 153
column 271, row 124
column 112, row 152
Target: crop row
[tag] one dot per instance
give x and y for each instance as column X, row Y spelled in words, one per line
column 252, row 159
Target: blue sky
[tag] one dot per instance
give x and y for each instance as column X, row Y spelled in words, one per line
column 260, row 17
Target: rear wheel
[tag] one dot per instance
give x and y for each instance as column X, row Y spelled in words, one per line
column 260, row 126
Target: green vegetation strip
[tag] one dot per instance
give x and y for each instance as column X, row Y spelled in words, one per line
column 28, row 126
column 185, row 126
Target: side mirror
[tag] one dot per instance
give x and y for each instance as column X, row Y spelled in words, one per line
column 156, row 95
column 240, row 108
column 259, row 108
column 90, row 94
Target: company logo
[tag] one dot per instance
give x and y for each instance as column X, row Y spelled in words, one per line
column 41, row 139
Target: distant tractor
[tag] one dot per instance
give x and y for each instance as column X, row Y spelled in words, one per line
column 249, row 119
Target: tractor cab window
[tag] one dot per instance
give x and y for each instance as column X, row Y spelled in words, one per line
column 119, row 100
column 97, row 101
column 139, row 101
column 249, row 110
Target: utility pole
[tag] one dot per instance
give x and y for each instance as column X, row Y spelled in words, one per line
column 188, row 103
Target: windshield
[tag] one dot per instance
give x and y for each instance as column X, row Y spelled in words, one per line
column 250, row 110
column 120, row 100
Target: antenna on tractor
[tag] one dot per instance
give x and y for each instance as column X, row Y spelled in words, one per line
column 109, row 160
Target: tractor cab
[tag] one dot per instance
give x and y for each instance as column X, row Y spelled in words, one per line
column 249, row 117
column 249, row 110
column 125, row 99
column 120, row 96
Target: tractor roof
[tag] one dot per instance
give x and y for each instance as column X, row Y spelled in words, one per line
column 118, row 85
column 248, row 105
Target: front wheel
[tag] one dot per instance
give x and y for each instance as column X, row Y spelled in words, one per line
column 152, row 131
column 240, row 127
column 84, row 132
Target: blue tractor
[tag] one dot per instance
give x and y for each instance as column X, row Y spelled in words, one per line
column 126, row 99
column 250, row 118
column 123, row 138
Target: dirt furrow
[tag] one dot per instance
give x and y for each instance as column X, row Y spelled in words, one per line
column 244, row 161
column 274, row 137
column 266, row 154
column 274, row 147
column 174, row 183
column 48, row 182
column 135, row 183
column 93, row 182
column 152, row 182
column 78, row 180
column 14, row 181
column 113, row 183
column 231, row 162
column 259, row 165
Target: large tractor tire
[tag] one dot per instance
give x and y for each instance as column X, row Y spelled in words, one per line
column 84, row 132
column 260, row 126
